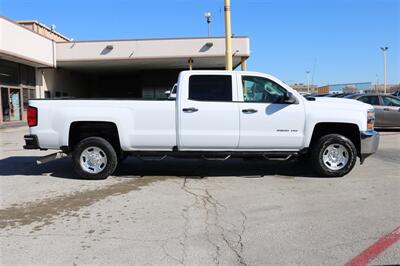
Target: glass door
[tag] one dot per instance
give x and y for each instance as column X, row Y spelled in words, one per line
column 15, row 105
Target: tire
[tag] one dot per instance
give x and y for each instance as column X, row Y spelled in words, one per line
column 94, row 158
column 333, row 155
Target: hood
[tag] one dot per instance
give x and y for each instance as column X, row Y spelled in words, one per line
column 342, row 102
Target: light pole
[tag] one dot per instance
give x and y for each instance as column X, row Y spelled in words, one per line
column 228, row 35
column 207, row 15
column 308, row 81
column 384, row 49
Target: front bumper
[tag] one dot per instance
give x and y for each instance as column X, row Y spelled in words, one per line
column 369, row 143
column 31, row 142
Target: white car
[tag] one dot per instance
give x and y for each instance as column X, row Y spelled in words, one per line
column 216, row 115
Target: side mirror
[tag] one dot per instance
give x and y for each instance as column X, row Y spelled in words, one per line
column 167, row 93
column 290, row 98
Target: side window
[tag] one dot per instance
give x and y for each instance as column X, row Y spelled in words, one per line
column 372, row 100
column 390, row 101
column 210, row 88
column 257, row 89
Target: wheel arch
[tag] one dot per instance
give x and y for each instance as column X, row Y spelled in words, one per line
column 348, row 130
column 80, row 130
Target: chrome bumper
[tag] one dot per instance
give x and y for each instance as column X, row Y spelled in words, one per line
column 369, row 143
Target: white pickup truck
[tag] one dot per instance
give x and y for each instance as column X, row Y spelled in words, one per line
column 214, row 115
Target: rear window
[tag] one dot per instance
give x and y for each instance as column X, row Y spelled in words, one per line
column 373, row 100
column 210, row 88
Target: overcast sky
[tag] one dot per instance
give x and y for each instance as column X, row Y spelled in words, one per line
column 337, row 40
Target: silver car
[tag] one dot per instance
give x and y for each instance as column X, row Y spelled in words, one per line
column 387, row 108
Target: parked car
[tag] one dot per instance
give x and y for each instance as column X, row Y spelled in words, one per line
column 339, row 95
column 387, row 108
column 397, row 93
column 216, row 115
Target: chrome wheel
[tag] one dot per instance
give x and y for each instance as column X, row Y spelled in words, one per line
column 335, row 156
column 93, row 160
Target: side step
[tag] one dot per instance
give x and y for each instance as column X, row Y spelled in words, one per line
column 51, row 157
column 152, row 158
column 216, row 158
column 273, row 157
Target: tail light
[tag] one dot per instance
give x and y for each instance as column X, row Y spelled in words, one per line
column 32, row 116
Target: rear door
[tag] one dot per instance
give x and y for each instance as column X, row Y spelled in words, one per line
column 391, row 111
column 379, row 112
column 207, row 111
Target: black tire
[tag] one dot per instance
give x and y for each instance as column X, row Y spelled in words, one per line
column 107, row 151
column 321, row 145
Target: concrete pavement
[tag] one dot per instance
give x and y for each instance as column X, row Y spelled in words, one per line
column 195, row 212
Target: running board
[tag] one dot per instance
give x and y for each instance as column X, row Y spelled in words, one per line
column 51, row 157
column 215, row 155
column 277, row 158
column 217, row 158
column 151, row 158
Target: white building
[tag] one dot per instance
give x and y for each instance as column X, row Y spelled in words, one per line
column 36, row 61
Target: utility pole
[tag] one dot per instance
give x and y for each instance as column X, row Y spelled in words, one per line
column 207, row 15
column 384, row 49
column 228, row 35
column 308, row 81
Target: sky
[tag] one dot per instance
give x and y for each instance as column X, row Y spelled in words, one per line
column 337, row 40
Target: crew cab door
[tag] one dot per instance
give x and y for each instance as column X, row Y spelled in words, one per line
column 208, row 116
column 266, row 122
column 391, row 111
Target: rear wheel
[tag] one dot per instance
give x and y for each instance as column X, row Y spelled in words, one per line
column 333, row 155
column 94, row 158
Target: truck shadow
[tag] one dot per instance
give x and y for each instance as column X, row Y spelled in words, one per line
column 62, row 168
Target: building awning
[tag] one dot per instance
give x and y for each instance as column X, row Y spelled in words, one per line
column 22, row 45
column 131, row 55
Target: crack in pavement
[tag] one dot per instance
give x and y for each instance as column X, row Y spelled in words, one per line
column 214, row 220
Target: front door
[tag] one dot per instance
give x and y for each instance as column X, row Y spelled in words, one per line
column 391, row 108
column 208, row 115
column 265, row 121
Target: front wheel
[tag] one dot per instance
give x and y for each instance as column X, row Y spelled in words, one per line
column 333, row 155
column 94, row 158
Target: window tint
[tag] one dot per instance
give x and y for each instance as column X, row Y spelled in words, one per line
column 257, row 89
column 390, row 101
column 210, row 88
column 373, row 100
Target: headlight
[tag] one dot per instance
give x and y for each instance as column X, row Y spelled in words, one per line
column 371, row 119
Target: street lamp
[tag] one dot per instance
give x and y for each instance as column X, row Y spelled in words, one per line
column 384, row 49
column 207, row 15
column 308, row 81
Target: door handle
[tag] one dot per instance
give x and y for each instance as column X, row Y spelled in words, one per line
column 386, row 109
column 249, row 111
column 190, row 110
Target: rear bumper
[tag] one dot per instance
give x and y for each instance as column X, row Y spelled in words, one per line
column 369, row 143
column 31, row 142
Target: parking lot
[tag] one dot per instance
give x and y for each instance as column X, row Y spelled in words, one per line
column 195, row 212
